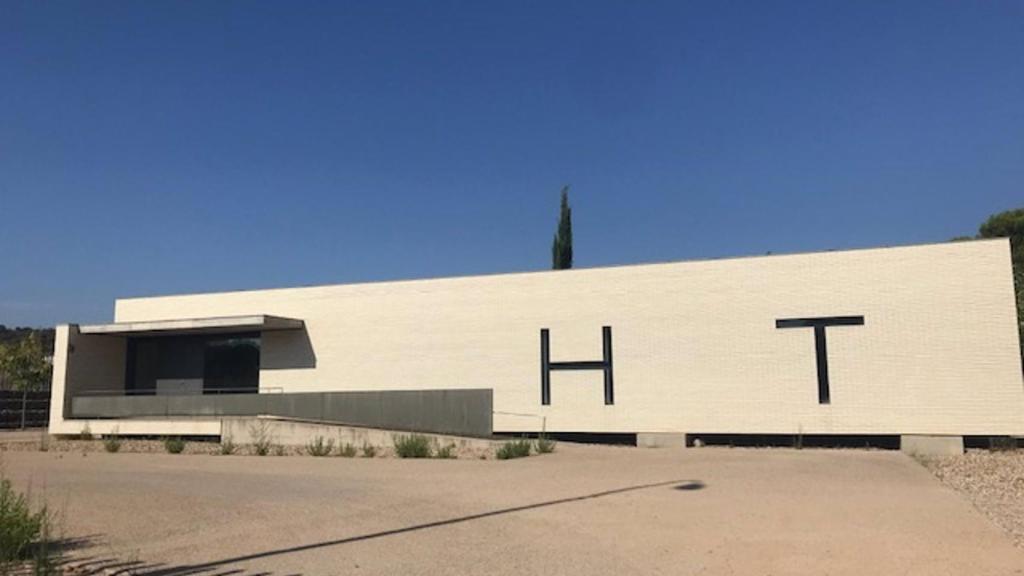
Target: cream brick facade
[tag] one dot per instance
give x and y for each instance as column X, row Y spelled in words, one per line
column 695, row 344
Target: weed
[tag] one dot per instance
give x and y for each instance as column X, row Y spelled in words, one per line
column 544, row 445
column 174, row 444
column 369, row 451
column 278, row 450
column 227, row 446
column 346, row 450
column 112, row 441
column 25, row 533
column 45, row 552
column 21, row 525
column 320, row 447
column 513, row 449
column 445, row 452
column 411, row 445
column 262, row 440
column 86, row 433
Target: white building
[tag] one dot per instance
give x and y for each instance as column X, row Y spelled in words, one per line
column 917, row 340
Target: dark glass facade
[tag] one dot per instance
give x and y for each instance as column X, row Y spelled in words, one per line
column 214, row 364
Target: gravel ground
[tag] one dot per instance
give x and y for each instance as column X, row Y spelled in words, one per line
column 992, row 481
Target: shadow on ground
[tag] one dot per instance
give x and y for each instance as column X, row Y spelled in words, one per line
column 223, row 567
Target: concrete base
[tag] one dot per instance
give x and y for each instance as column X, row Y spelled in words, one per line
column 921, row 445
column 661, row 440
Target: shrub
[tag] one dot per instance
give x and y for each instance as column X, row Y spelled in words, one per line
column 513, row 449
column 411, row 446
column 174, row 445
column 278, row 450
column 544, row 445
column 369, row 451
column 24, row 533
column 262, row 441
column 320, row 447
column 86, row 433
column 227, row 446
column 346, row 450
column 112, row 441
column 445, row 452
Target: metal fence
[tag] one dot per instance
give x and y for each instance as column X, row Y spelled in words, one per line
column 23, row 409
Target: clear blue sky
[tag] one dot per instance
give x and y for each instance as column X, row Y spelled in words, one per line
column 164, row 147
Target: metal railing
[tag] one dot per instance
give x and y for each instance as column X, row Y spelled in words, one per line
column 204, row 392
column 148, row 403
column 458, row 411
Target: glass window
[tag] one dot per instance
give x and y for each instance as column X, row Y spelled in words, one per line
column 208, row 364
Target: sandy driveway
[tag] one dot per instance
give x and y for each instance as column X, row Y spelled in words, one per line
column 582, row 510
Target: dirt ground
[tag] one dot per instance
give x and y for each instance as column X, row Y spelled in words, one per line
column 583, row 510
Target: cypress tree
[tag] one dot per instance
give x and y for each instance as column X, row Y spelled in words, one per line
column 561, row 247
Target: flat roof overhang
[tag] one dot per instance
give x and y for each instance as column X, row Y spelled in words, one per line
column 216, row 325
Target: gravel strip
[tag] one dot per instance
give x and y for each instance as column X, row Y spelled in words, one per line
column 132, row 445
column 992, row 481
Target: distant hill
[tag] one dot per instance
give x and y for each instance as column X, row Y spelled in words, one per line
column 15, row 334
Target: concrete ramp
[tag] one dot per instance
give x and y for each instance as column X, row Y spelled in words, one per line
column 288, row 432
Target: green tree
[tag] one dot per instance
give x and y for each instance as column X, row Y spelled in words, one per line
column 1010, row 224
column 561, row 248
column 23, row 366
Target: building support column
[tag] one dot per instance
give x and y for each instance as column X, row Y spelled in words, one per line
column 660, row 440
column 927, row 445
